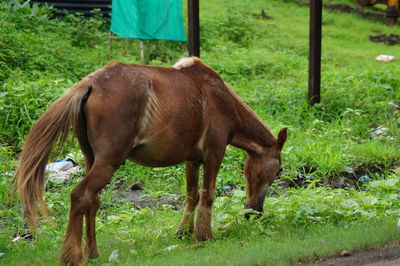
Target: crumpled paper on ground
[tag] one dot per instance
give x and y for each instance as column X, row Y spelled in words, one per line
column 384, row 58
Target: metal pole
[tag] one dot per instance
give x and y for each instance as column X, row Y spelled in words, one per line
column 314, row 75
column 194, row 28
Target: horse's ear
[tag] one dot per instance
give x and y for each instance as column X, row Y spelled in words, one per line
column 282, row 136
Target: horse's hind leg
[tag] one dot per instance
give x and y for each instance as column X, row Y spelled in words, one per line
column 84, row 200
column 192, row 193
column 90, row 217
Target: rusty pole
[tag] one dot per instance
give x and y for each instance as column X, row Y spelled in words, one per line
column 314, row 74
column 194, row 28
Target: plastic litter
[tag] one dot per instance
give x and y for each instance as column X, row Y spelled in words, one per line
column 228, row 187
column 27, row 236
column 380, row 133
column 395, row 106
column 384, row 58
column 59, row 166
column 62, row 169
column 171, row 247
column 364, row 180
column 114, row 255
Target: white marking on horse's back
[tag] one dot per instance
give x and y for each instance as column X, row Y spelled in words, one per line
column 184, row 63
column 103, row 71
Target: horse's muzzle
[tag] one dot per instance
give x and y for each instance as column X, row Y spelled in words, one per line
column 258, row 209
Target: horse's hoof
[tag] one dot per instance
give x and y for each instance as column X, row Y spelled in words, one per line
column 204, row 236
column 72, row 262
column 93, row 254
column 72, row 257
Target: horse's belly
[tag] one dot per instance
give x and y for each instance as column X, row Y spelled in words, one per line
column 158, row 156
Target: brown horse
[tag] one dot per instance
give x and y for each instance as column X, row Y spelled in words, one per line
column 154, row 116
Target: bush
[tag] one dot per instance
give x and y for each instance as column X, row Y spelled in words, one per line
column 41, row 54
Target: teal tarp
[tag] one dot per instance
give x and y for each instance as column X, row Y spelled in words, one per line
column 148, row 19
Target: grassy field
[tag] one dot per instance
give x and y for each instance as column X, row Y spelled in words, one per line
column 154, row 246
column 266, row 64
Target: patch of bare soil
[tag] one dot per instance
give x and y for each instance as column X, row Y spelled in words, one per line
column 140, row 200
column 371, row 13
column 386, row 256
column 389, row 39
column 341, row 8
column 346, row 178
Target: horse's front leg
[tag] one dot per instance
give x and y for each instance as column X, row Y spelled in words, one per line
column 203, row 224
column 192, row 194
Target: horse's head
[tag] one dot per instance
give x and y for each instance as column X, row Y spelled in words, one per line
column 261, row 169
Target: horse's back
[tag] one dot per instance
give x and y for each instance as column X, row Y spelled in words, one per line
column 157, row 116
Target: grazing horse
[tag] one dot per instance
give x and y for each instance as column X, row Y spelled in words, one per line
column 154, row 116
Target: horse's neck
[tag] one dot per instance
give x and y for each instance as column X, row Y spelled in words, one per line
column 252, row 134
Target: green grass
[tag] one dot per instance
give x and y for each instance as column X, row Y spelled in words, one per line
column 152, row 244
column 299, row 224
column 266, row 64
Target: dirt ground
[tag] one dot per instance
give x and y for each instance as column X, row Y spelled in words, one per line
column 135, row 195
column 368, row 13
column 388, row 255
column 390, row 39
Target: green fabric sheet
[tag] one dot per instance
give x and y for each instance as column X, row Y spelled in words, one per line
column 148, row 19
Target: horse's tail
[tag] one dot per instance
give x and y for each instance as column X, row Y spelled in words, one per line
column 53, row 125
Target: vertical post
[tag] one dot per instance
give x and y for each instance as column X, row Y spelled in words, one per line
column 141, row 46
column 110, row 44
column 314, row 75
column 194, row 28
